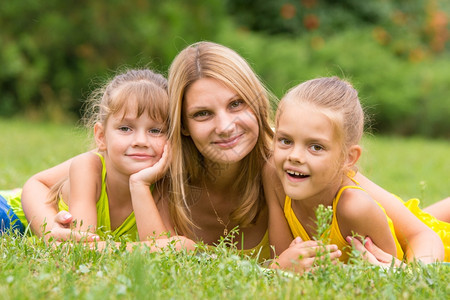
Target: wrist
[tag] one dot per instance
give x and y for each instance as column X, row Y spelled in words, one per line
column 137, row 182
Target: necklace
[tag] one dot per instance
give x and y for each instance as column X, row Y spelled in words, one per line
column 218, row 218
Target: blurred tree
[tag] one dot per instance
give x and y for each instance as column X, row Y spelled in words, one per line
column 51, row 50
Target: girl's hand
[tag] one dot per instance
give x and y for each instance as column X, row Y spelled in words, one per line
column 61, row 230
column 301, row 256
column 374, row 255
column 150, row 175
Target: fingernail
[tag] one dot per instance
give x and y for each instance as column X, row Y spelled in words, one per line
column 67, row 216
column 95, row 238
column 348, row 239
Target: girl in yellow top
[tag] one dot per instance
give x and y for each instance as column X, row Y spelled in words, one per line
column 129, row 117
column 318, row 127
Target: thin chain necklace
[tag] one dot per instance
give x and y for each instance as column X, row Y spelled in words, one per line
column 218, row 218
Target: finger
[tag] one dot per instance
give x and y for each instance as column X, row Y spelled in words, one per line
column 65, row 234
column 63, row 217
column 357, row 245
column 297, row 240
column 378, row 253
column 304, row 244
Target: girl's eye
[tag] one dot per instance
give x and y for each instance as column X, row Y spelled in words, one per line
column 156, row 131
column 236, row 103
column 284, row 141
column 316, row 148
column 124, row 128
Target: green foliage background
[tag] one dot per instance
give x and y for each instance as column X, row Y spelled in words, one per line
column 397, row 53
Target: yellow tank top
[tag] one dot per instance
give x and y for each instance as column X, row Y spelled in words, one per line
column 127, row 229
column 335, row 236
column 262, row 250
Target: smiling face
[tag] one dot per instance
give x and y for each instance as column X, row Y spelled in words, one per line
column 307, row 153
column 221, row 124
column 131, row 143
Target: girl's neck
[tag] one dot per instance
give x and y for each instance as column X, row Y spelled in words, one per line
column 324, row 197
column 118, row 187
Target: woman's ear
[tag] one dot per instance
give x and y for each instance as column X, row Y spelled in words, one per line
column 184, row 131
column 99, row 135
column 353, row 155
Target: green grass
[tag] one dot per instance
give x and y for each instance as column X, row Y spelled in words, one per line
column 408, row 167
column 31, row 269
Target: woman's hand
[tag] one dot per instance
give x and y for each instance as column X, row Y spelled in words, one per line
column 371, row 253
column 302, row 256
column 61, row 230
column 150, row 175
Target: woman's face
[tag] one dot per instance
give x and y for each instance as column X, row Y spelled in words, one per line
column 221, row 124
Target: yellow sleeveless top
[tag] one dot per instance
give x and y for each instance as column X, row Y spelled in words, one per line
column 335, row 236
column 262, row 250
column 127, row 229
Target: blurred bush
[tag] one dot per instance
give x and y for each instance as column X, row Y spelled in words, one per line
column 396, row 53
column 51, row 50
column 400, row 97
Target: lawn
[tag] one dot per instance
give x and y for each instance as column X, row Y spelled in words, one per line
column 31, row 269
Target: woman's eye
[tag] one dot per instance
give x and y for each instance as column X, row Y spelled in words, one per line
column 236, row 103
column 201, row 114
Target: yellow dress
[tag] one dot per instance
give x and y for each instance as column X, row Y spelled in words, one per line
column 440, row 227
column 335, row 236
column 127, row 229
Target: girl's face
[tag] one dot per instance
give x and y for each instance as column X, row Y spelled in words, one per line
column 131, row 143
column 306, row 152
column 221, row 124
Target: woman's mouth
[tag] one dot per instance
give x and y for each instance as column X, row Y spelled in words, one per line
column 228, row 143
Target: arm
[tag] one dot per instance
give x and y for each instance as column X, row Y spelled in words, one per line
column 34, row 197
column 148, row 219
column 280, row 235
column 358, row 213
column 417, row 240
column 82, row 191
column 39, row 212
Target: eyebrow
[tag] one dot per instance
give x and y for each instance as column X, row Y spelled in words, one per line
column 232, row 98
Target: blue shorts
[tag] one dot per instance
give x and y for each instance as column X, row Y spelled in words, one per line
column 9, row 222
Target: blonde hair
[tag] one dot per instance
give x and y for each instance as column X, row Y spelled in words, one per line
column 210, row 60
column 146, row 88
column 337, row 100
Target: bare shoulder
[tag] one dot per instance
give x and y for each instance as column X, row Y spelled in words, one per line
column 273, row 189
column 88, row 161
column 355, row 204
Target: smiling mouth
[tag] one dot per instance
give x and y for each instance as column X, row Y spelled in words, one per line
column 294, row 174
column 140, row 156
column 228, row 142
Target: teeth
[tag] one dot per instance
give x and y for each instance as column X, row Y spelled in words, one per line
column 295, row 173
